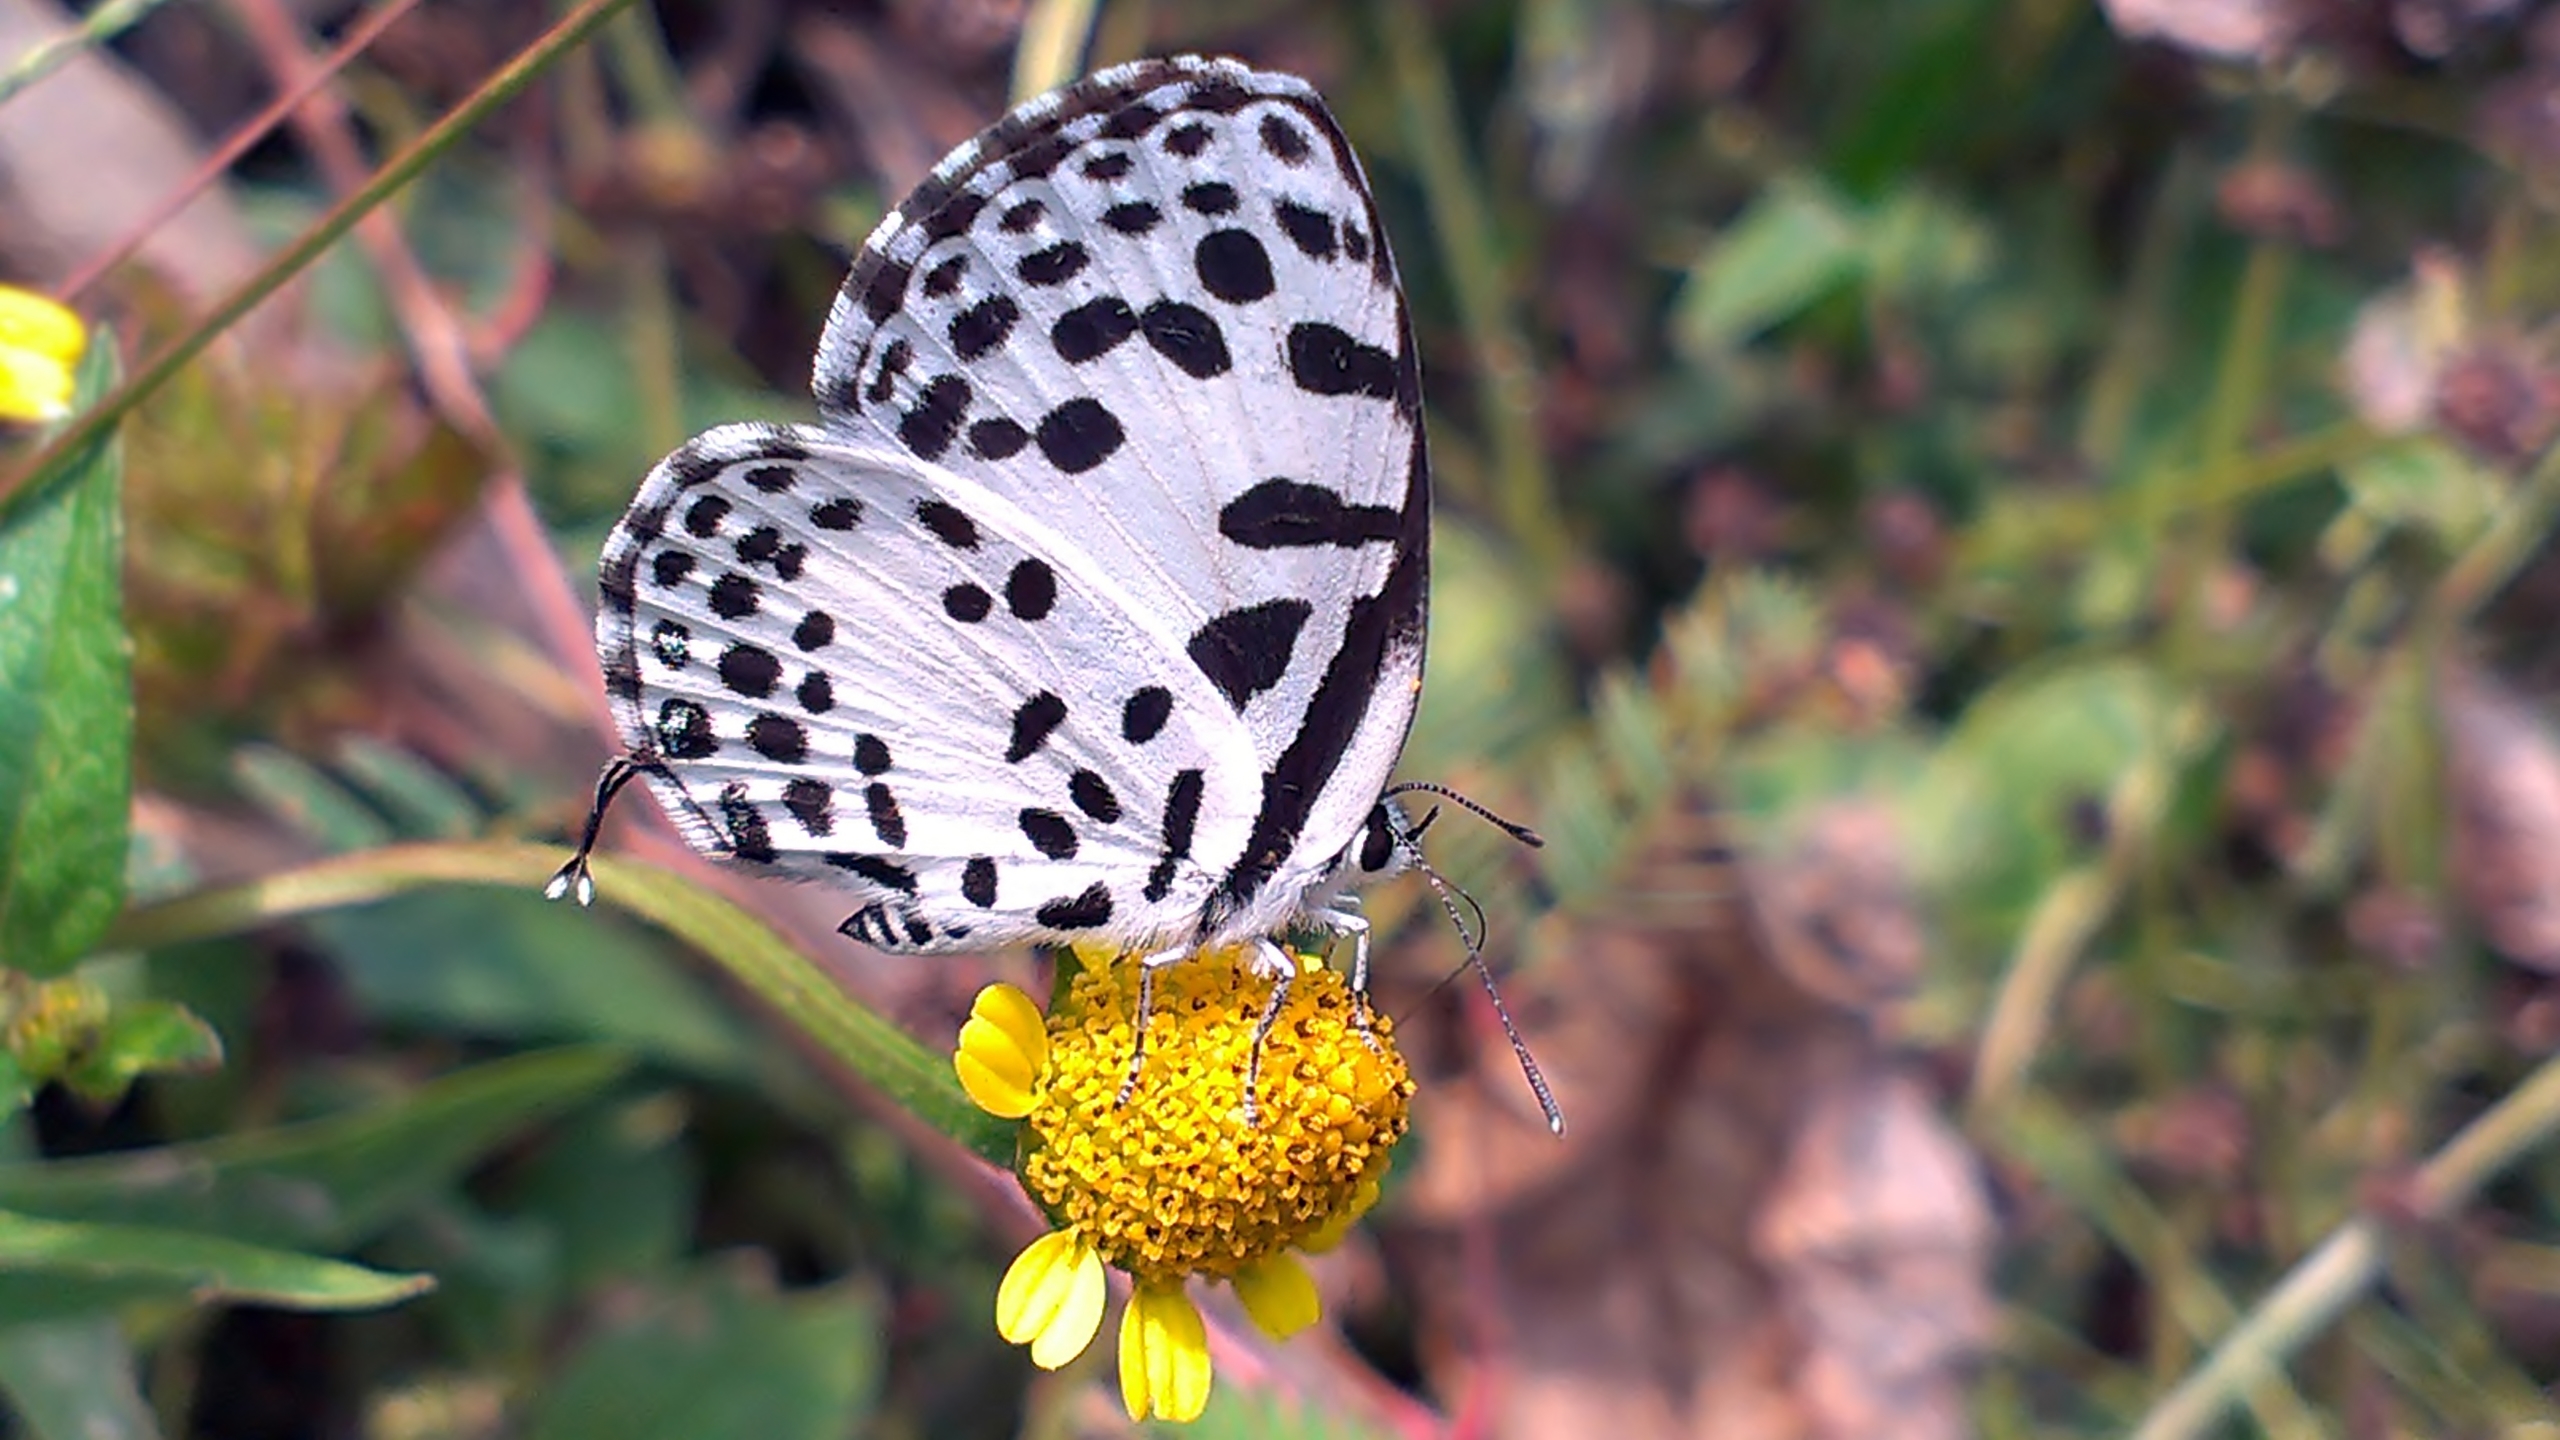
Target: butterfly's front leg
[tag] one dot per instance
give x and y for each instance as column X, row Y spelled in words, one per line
column 1147, row 967
column 1341, row 916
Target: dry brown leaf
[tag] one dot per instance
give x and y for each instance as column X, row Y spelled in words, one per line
column 1759, row 1226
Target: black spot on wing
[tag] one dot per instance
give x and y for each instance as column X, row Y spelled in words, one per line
column 1049, row 833
column 997, row 439
column 778, row 738
column 1079, row 435
column 749, row 670
column 1087, row 911
column 1031, row 590
column 1093, row 329
column 1245, row 651
column 1131, row 121
column 1033, row 721
column 1021, row 219
column 1189, row 337
column 886, row 290
column 702, row 518
column 967, row 603
column 1210, row 197
column 944, row 278
column 1093, row 795
column 870, row 754
column 1280, row 514
column 816, row 631
column 1233, row 266
column 812, row 803
column 978, row 882
column 683, row 731
column 842, row 512
column 734, row 596
column 1143, row 715
column 1325, row 360
column 949, row 524
column 983, row 326
column 749, row 838
column 672, row 643
column 1310, row 230
column 929, row 428
column 888, row 874
column 1133, row 217
column 670, row 568
column 1187, row 140
column 1181, row 819
column 894, row 360
column 1055, row 265
column 886, row 822
column 772, row 479
column 1114, row 165
column 954, row 217
column 692, row 465
column 817, row 694
column 1286, row 142
column 1219, row 95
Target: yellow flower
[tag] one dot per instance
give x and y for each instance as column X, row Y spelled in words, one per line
column 1174, row 1183
column 40, row 342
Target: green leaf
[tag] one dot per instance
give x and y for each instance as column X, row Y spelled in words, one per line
column 143, row 1037
column 53, row 1269
column 66, row 703
column 74, row 1380
column 722, row 1358
column 515, row 966
column 326, row 1184
column 1796, row 244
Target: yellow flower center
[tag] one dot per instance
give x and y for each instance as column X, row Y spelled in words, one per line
column 1174, row 1183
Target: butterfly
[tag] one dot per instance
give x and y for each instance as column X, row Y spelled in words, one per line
column 1092, row 606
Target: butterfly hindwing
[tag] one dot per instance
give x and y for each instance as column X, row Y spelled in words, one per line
column 847, row 666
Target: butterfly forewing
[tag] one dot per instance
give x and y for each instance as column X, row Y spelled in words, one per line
column 1146, row 331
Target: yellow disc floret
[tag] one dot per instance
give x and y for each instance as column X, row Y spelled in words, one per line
column 1175, row 1182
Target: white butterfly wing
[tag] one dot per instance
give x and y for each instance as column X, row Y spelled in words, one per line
column 1157, row 310
column 841, row 664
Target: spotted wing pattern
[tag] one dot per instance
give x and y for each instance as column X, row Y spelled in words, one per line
column 1144, row 333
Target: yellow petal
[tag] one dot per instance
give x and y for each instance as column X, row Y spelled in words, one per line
column 1280, row 1295
column 1332, row 1231
column 1164, row 1356
column 32, row 386
column 1002, row 1049
column 1001, row 1095
column 1008, row 1010
column 31, row 322
column 1051, row 1298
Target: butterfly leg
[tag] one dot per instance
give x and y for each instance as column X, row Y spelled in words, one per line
column 1147, row 967
column 1268, row 959
column 1343, row 917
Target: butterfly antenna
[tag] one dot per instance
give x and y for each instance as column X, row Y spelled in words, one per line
column 1474, row 944
column 575, row 877
column 1512, row 828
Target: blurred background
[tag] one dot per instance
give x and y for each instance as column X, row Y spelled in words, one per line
column 2003, row 543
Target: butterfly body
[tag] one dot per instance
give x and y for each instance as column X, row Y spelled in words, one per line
column 1092, row 606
